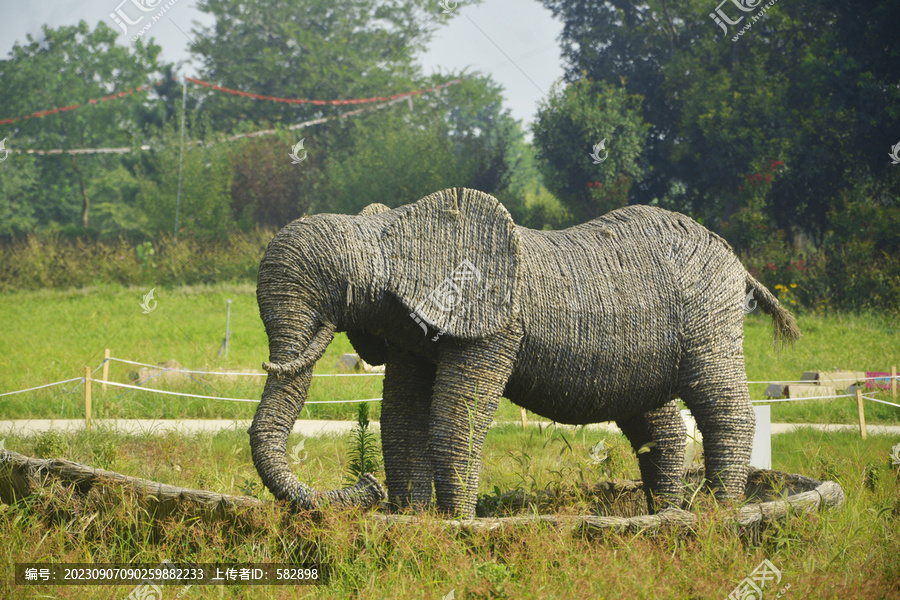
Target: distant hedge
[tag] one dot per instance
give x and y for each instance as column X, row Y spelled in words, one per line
column 52, row 260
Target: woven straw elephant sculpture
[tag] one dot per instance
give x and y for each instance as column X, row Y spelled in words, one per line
column 610, row 320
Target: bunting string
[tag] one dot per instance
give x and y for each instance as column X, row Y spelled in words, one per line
column 116, row 96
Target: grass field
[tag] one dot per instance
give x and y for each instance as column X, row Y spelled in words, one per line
column 52, row 335
column 851, row 552
column 47, row 336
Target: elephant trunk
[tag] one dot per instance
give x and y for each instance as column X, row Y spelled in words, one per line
column 283, row 397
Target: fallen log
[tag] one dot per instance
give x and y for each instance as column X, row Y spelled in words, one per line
column 771, row 496
column 21, row 476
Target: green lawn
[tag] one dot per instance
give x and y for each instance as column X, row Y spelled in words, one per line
column 52, row 335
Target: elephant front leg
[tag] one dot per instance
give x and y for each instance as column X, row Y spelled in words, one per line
column 470, row 379
column 659, row 438
column 405, row 412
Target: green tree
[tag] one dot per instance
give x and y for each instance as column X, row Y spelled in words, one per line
column 585, row 118
column 68, row 66
column 205, row 210
column 268, row 188
column 18, row 183
column 461, row 137
column 308, row 49
column 813, row 85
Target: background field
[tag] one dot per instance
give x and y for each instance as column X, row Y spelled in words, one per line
column 52, row 335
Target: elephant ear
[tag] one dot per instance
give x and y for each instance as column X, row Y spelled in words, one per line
column 453, row 260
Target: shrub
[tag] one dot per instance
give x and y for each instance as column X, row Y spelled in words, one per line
column 50, row 260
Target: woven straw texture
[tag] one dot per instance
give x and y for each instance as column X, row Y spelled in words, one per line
column 609, row 320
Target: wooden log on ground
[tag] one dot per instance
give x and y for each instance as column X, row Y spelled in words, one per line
column 20, row 476
column 771, row 496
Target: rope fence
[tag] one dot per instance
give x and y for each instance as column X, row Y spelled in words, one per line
column 40, row 387
column 155, row 391
column 88, row 378
column 802, row 398
column 233, row 374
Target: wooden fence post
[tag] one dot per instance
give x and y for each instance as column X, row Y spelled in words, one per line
column 894, row 382
column 87, row 398
column 862, row 413
column 105, row 368
column 524, row 419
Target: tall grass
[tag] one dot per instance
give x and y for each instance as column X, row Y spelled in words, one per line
column 851, row 552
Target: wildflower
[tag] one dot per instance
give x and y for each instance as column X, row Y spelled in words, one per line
column 793, row 285
column 768, row 179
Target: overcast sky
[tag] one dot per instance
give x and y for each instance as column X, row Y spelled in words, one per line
column 513, row 40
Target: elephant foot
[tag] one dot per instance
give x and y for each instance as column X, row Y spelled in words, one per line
column 657, row 503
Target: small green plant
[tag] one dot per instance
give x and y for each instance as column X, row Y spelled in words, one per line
column 50, row 444
column 145, row 254
column 104, row 451
column 250, row 488
column 363, row 447
column 496, row 575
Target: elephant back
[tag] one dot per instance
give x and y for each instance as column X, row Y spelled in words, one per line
column 610, row 301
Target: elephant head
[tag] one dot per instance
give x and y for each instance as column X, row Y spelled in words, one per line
column 297, row 310
column 375, row 275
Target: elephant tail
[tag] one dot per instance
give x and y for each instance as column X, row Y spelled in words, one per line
column 786, row 330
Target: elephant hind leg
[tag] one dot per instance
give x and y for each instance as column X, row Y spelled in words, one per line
column 721, row 406
column 405, row 416
column 662, row 435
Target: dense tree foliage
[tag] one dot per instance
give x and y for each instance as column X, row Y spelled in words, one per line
column 66, row 67
column 590, row 138
column 813, row 85
column 769, row 122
